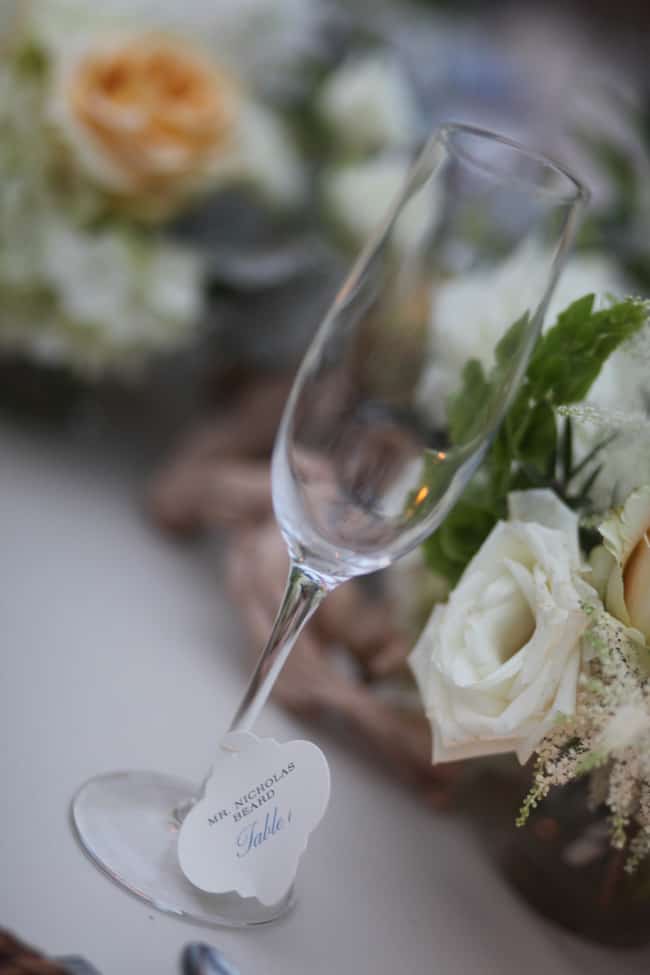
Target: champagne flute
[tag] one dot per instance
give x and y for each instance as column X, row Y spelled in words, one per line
column 364, row 468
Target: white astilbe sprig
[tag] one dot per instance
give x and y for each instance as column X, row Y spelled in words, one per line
column 608, row 737
column 619, row 401
column 608, row 422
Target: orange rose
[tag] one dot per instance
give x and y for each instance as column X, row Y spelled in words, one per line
column 147, row 118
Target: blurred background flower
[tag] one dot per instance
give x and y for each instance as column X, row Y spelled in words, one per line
column 368, row 105
column 194, row 179
column 113, row 121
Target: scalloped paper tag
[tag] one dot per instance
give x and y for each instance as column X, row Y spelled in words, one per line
column 261, row 803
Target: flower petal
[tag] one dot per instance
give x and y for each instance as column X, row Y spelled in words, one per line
column 543, row 507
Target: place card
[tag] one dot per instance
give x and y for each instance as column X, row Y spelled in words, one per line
column 261, row 803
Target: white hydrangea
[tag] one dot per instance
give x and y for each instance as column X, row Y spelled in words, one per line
column 101, row 301
column 111, row 282
column 368, row 104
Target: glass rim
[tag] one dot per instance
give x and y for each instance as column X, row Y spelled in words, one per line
column 577, row 191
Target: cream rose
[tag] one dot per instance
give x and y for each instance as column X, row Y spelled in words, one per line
column 621, row 565
column 146, row 118
column 500, row 660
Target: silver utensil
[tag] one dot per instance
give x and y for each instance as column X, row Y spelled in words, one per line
column 201, row 959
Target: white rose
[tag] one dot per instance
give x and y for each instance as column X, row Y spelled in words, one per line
column 368, row 104
column 359, row 195
column 621, row 566
column 500, row 660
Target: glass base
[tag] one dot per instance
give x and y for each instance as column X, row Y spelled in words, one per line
column 126, row 823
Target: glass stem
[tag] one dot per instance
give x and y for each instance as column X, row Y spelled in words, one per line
column 302, row 596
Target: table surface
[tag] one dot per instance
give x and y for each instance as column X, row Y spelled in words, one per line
column 121, row 650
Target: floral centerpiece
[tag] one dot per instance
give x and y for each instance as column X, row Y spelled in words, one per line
column 542, row 647
column 121, row 123
column 114, row 120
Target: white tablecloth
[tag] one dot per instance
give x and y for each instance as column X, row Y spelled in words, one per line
column 119, row 650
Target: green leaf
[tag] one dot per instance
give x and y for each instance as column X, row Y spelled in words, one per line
column 453, row 546
column 465, row 408
column 463, row 531
column 535, row 439
column 568, row 359
column 510, row 343
column 469, row 410
column 550, row 360
column 525, row 476
column 462, row 535
column 438, row 562
column 499, row 462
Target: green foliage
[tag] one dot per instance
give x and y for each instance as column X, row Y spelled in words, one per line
column 568, row 359
column 528, row 451
column 462, row 533
column 478, row 393
column 31, row 61
column 465, row 409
